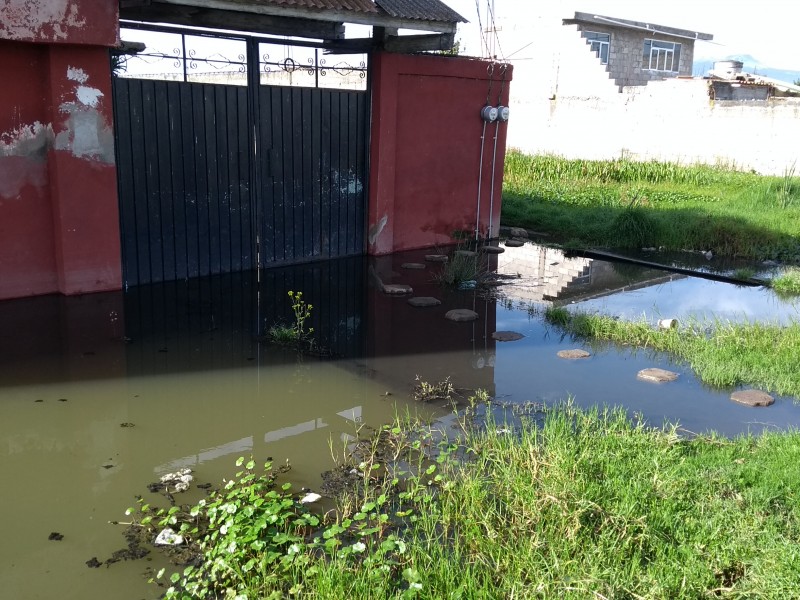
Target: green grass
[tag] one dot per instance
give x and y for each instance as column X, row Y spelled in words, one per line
column 722, row 354
column 580, row 504
column 788, row 283
column 685, row 207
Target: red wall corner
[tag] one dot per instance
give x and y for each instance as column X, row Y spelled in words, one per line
column 425, row 152
column 59, row 224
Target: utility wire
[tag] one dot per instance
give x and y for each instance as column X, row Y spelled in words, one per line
column 483, row 33
column 494, row 29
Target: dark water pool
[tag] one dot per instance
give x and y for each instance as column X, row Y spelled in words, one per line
column 186, row 364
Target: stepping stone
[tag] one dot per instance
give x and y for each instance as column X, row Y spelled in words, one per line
column 656, row 375
column 397, row 289
column 436, row 257
column 514, row 243
column 461, row 314
column 507, row 336
column 492, row 249
column 518, row 232
column 412, row 266
column 574, row 354
column 423, row 301
column 752, row 398
column 466, row 253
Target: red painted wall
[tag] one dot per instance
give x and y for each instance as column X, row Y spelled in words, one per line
column 426, row 149
column 59, row 223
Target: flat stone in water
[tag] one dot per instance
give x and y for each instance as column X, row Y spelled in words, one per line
column 423, row 301
column 514, row 243
column 492, row 249
column 466, row 253
column 518, row 232
column 397, row 289
column 752, row 398
column 656, row 375
column 507, row 336
column 574, row 354
column 461, row 314
column 412, row 266
column 436, row 257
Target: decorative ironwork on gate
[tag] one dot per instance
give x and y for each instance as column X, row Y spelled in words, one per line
column 199, row 58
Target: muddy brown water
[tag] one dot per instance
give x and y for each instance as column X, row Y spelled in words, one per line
column 101, row 394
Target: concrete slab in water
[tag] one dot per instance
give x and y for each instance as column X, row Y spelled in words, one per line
column 397, row 289
column 507, row 336
column 410, row 265
column 655, row 375
column 436, row 257
column 574, row 354
column 424, row 301
column 752, row 398
column 461, row 314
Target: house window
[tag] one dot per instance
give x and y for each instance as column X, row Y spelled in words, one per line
column 661, row 56
column 599, row 43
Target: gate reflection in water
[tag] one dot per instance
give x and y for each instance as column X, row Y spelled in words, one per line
column 184, row 364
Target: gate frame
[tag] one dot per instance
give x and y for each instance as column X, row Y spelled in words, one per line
column 256, row 176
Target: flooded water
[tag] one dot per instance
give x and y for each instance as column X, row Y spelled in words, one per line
column 101, row 394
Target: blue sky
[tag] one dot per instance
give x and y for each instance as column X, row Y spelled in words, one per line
column 765, row 29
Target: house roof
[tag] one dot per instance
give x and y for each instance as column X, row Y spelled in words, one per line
column 365, row 6
column 590, row 18
column 425, row 10
column 304, row 18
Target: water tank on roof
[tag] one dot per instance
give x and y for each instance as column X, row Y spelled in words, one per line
column 728, row 68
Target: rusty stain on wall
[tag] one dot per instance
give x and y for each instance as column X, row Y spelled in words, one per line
column 31, row 19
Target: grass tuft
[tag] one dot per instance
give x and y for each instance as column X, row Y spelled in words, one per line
column 788, row 283
column 722, row 354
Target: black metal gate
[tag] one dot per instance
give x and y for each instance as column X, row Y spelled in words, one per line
column 245, row 167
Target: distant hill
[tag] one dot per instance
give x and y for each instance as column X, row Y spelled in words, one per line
column 751, row 65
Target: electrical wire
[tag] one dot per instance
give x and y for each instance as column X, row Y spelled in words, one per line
column 480, row 27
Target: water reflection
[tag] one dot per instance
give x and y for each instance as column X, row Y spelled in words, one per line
column 629, row 291
column 187, row 365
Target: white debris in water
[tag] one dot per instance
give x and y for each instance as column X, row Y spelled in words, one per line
column 180, row 479
column 167, row 537
column 309, row 498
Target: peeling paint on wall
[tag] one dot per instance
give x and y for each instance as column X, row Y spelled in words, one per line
column 376, row 229
column 23, row 158
column 34, row 19
column 86, row 132
column 77, row 74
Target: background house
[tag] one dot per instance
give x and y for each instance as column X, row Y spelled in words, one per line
column 567, row 102
column 635, row 53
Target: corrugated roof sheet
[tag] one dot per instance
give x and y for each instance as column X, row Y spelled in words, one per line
column 364, row 6
column 424, row 10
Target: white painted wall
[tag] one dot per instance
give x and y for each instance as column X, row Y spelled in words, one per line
column 563, row 102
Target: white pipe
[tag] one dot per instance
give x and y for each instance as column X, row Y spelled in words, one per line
column 480, row 183
column 491, row 193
